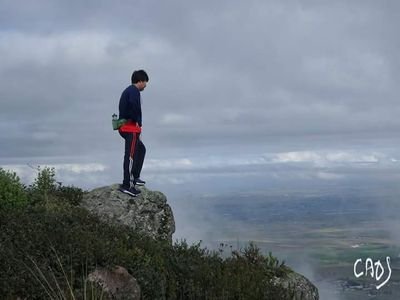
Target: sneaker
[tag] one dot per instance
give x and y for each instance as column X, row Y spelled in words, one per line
column 139, row 181
column 130, row 191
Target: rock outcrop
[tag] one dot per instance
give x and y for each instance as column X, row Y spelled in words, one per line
column 150, row 214
column 116, row 283
column 297, row 287
column 147, row 213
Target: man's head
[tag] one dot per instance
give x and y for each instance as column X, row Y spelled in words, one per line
column 139, row 79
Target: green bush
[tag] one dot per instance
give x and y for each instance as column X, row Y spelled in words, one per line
column 31, row 238
column 69, row 195
column 47, row 250
column 45, row 190
column 42, row 190
column 12, row 191
column 42, row 239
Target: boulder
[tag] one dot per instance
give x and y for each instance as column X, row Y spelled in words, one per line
column 296, row 287
column 147, row 213
column 116, row 284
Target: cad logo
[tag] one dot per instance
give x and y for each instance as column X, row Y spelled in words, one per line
column 375, row 270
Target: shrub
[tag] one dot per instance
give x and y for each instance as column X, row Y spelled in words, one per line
column 12, row 191
column 70, row 239
column 31, row 238
column 45, row 190
column 43, row 187
column 70, row 195
column 49, row 248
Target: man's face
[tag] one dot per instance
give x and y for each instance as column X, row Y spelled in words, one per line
column 141, row 85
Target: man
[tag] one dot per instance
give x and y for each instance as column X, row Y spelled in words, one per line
column 131, row 110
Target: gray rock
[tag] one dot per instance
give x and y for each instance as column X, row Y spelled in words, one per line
column 147, row 213
column 296, row 287
column 116, row 284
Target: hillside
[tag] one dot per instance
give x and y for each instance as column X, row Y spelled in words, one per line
column 56, row 240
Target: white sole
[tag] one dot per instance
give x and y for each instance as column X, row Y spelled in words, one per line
column 139, row 184
column 128, row 193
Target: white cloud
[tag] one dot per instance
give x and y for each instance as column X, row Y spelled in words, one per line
column 174, row 119
column 84, row 46
column 323, row 158
column 79, row 48
column 303, row 156
column 329, row 176
column 71, row 171
column 347, row 157
column 80, row 168
column 168, row 164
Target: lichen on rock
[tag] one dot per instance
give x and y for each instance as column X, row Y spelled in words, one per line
column 147, row 213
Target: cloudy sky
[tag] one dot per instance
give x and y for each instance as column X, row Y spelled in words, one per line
column 264, row 91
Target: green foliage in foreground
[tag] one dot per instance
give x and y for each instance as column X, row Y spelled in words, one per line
column 44, row 191
column 54, row 243
column 12, row 191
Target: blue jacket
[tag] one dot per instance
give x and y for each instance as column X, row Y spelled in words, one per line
column 129, row 105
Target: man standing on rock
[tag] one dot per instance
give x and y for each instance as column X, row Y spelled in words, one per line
column 131, row 110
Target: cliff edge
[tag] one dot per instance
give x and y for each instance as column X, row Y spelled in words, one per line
column 150, row 214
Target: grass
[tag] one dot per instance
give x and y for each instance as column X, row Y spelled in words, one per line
column 62, row 288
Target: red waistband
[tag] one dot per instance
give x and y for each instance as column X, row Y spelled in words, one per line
column 130, row 127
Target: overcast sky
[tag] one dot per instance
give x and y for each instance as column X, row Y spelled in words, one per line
column 305, row 90
column 243, row 95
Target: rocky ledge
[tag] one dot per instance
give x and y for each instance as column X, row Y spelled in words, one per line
column 297, row 287
column 147, row 213
column 150, row 214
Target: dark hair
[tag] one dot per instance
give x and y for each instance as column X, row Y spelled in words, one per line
column 139, row 75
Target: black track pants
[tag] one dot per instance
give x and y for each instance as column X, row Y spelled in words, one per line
column 135, row 152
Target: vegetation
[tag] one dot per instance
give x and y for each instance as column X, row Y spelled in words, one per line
column 12, row 191
column 49, row 245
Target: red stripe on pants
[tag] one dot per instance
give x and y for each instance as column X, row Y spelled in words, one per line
column 133, row 145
